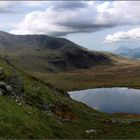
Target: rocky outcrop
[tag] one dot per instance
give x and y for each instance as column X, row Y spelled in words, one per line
column 12, row 86
column 5, row 89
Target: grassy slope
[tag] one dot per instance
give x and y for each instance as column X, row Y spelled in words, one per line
column 53, row 60
column 123, row 72
column 70, row 119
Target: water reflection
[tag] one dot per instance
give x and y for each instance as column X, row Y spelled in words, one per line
column 110, row 100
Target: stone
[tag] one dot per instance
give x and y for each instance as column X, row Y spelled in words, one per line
column 1, row 93
column 6, row 89
column 19, row 104
column 9, row 88
column 16, row 100
column 1, row 70
column 90, row 131
column 30, row 113
column 2, row 84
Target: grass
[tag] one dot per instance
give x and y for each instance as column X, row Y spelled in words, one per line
column 68, row 118
column 103, row 76
column 123, row 72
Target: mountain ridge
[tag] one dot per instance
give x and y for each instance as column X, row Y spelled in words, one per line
column 128, row 52
column 50, row 53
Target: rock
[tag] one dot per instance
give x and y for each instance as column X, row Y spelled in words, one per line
column 1, row 93
column 16, row 82
column 91, row 131
column 30, row 113
column 1, row 70
column 2, row 84
column 49, row 113
column 47, row 106
column 19, row 104
column 16, row 100
column 5, row 89
column 9, row 88
column 112, row 121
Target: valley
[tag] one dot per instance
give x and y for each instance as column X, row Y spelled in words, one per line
column 122, row 73
column 48, row 68
column 67, row 65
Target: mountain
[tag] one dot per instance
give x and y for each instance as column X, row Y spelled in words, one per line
column 128, row 52
column 45, row 53
column 123, row 49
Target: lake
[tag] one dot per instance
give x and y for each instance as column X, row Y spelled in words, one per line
column 110, row 100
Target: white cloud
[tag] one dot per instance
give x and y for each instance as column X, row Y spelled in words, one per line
column 133, row 34
column 66, row 17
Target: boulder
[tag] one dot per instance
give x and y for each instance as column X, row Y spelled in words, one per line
column 5, row 89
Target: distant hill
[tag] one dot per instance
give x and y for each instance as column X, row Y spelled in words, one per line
column 45, row 53
column 128, row 52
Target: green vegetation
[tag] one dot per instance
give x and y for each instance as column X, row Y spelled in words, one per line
column 48, row 113
column 40, row 70
column 124, row 73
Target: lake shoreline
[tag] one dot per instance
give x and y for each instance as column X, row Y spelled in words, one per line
column 105, row 99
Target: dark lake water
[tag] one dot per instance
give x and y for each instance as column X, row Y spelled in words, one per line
column 110, row 100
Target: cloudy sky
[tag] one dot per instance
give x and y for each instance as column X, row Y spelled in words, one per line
column 97, row 25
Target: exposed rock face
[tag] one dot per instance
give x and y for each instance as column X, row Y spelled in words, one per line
column 5, row 89
column 12, row 86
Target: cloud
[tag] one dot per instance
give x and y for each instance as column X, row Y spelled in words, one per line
column 62, row 18
column 71, row 5
column 7, row 6
column 18, row 6
column 34, row 3
column 133, row 34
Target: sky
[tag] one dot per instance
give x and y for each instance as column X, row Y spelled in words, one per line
column 96, row 25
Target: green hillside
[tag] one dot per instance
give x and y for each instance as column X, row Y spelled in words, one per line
column 34, row 80
column 29, row 108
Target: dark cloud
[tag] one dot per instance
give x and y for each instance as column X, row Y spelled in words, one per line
column 80, row 29
column 69, row 5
